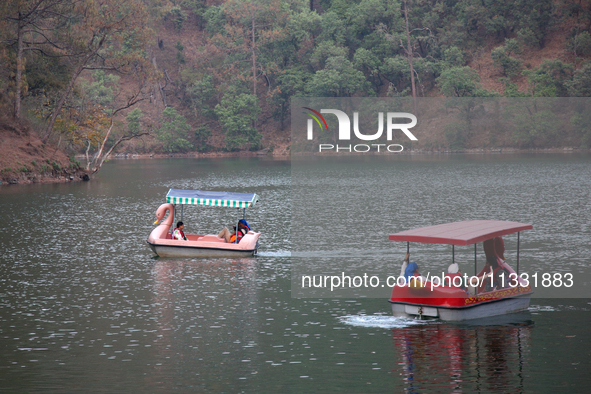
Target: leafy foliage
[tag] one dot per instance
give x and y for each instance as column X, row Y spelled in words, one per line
column 178, row 16
column 580, row 85
column 534, row 123
column 250, row 54
column 459, row 82
column 133, row 121
column 174, row 132
column 100, row 90
column 237, row 115
column 502, row 58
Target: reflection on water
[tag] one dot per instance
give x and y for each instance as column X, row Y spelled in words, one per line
column 463, row 359
column 379, row 321
column 202, row 308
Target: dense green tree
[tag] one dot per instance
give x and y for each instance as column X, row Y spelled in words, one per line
column 454, row 57
column 201, row 95
column 579, row 42
column 198, row 7
column 581, row 121
column 178, row 16
column 501, row 57
column 100, row 90
column 173, row 133
column 133, row 120
column 533, row 122
column 25, row 27
column 459, row 82
column 549, row 79
column 580, row 85
column 238, row 114
column 291, row 83
column 338, row 79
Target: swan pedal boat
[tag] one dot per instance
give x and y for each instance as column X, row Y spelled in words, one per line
column 452, row 303
column 202, row 245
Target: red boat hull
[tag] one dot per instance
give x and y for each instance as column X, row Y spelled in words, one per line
column 455, row 303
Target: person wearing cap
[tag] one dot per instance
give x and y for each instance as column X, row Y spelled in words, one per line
column 453, row 271
column 412, row 270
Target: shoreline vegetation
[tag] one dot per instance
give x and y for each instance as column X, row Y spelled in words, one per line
column 75, row 173
column 197, row 78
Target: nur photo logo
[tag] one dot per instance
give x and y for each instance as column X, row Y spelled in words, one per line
column 393, row 123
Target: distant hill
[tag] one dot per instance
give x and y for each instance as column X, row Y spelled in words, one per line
column 216, row 77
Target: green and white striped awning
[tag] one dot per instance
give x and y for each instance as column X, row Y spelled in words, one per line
column 214, row 199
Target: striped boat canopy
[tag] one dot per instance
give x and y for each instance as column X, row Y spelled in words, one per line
column 215, row 199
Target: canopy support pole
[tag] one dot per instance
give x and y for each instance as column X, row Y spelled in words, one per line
column 475, row 269
column 408, row 248
column 475, row 265
column 518, row 254
column 182, row 210
column 453, row 254
column 236, row 230
column 518, row 282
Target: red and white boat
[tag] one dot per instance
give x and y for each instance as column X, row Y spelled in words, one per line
column 202, row 245
column 496, row 290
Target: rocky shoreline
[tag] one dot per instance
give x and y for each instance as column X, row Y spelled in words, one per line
column 31, row 177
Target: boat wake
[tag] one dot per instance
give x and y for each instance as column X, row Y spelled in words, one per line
column 279, row 253
column 379, row 321
column 541, row 308
column 557, row 308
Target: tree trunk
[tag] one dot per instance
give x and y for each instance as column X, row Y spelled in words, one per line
column 409, row 53
column 254, row 70
column 97, row 157
column 19, row 71
column 119, row 140
column 87, row 159
column 158, row 85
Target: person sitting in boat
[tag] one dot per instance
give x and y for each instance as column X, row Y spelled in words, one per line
column 413, row 277
column 178, row 232
column 243, row 228
column 453, row 271
column 404, row 264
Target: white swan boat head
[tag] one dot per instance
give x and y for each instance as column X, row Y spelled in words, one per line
column 202, row 245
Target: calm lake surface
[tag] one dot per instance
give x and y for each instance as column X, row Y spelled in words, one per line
column 86, row 307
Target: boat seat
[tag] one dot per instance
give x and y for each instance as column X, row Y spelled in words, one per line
column 210, row 238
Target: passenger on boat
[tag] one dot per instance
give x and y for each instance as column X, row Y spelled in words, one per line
column 404, row 264
column 231, row 237
column 453, row 271
column 412, row 270
column 178, row 232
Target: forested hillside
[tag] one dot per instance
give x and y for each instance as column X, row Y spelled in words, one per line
column 177, row 76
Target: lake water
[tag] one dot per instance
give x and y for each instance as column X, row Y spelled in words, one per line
column 86, row 307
